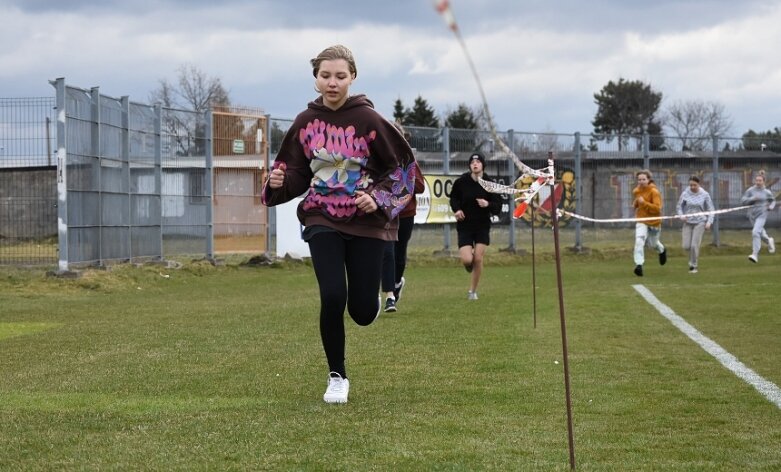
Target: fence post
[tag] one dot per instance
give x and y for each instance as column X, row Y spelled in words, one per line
column 511, row 198
column 95, row 121
column 646, row 151
column 208, row 186
column 62, row 176
column 715, row 191
column 578, row 193
column 125, row 157
column 446, row 171
column 159, row 167
column 267, row 163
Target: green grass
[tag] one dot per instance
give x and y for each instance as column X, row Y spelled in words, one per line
column 8, row 330
column 221, row 368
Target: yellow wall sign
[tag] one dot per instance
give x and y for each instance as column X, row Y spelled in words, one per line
column 434, row 202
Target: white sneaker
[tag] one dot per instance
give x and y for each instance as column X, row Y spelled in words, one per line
column 470, row 295
column 752, row 258
column 771, row 245
column 338, row 389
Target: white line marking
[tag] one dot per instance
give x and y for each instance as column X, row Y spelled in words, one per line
column 763, row 386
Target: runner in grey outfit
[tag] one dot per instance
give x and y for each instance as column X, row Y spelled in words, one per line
column 694, row 200
column 762, row 200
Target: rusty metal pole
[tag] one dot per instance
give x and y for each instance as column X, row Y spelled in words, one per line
column 534, row 272
column 554, row 216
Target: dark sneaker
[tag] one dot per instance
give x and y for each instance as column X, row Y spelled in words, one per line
column 663, row 257
column 390, row 305
column 639, row 270
column 398, row 289
column 468, row 268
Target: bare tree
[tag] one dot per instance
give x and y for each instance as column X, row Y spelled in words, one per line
column 695, row 122
column 194, row 91
column 548, row 140
column 186, row 102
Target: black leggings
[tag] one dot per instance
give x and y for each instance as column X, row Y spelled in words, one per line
column 394, row 259
column 361, row 259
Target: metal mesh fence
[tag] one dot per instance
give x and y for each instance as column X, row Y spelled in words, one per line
column 595, row 175
column 134, row 179
column 595, row 178
column 139, row 179
column 28, row 189
column 186, row 183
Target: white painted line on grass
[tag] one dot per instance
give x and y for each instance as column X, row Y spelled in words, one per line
column 763, row 386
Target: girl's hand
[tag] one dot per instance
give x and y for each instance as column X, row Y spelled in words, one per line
column 365, row 202
column 459, row 215
column 276, row 179
column 481, row 202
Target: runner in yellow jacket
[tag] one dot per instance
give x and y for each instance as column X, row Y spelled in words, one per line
column 648, row 203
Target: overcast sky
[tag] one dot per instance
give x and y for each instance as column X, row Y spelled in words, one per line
column 541, row 61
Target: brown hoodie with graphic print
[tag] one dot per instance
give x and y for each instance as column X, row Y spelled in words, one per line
column 333, row 156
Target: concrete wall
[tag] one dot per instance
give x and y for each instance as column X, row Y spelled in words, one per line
column 28, row 203
column 607, row 187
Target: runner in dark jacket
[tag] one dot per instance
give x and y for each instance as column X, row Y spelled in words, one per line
column 473, row 207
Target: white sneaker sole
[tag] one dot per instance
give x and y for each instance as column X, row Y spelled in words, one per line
column 334, row 399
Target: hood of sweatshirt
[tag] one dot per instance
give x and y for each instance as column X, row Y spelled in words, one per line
column 354, row 101
column 644, row 191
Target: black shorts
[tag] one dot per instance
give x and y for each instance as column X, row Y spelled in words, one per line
column 471, row 237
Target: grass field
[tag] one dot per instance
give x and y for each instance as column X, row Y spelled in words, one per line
column 221, row 368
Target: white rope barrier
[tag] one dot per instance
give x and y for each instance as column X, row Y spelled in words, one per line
column 652, row 218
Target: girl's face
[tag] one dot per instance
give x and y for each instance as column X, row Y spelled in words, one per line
column 759, row 181
column 475, row 166
column 642, row 180
column 694, row 186
column 333, row 82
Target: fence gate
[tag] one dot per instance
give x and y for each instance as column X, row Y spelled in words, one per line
column 240, row 163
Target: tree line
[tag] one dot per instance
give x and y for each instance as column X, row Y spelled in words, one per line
column 626, row 110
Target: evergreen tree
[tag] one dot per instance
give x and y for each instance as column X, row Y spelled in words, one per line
column 625, row 108
column 422, row 114
column 656, row 137
column 461, row 118
column 767, row 141
column 399, row 112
